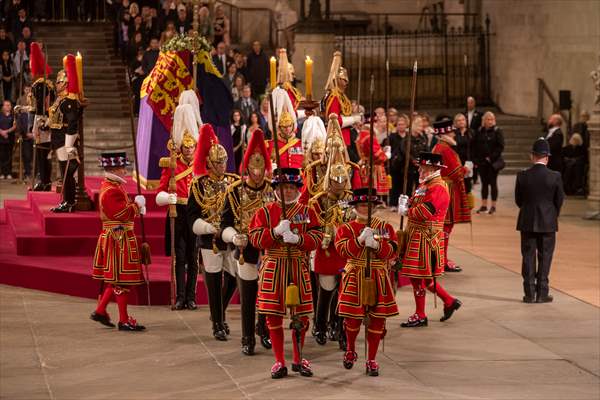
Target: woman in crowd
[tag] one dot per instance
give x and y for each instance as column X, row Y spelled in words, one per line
column 7, row 139
column 205, row 26
column 221, row 27
column 254, row 123
column 463, row 139
column 487, row 147
column 7, row 76
column 238, row 86
column 574, row 155
column 238, row 135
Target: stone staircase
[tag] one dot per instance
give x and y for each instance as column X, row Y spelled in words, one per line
column 519, row 135
column 106, row 118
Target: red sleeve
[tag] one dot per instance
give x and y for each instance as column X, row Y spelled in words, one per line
column 163, row 185
column 115, row 205
column 388, row 247
column 313, row 236
column 335, row 107
column 260, row 232
column 436, row 199
column 346, row 242
column 454, row 169
column 356, row 181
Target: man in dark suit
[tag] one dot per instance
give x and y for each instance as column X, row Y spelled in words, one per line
column 246, row 104
column 539, row 195
column 555, row 138
column 472, row 115
column 221, row 59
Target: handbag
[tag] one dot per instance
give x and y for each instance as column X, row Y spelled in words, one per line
column 499, row 164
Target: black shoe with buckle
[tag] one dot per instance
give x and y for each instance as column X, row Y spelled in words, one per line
column 350, row 358
column 131, row 326
column 248, row 343
column 448, row 311
column 226, row 328
column 42, row 187
column 265, row 341
column 278, row 371
column 372, row 368
column 102, row 318
column 191, row 305
column 63, row 207
column 321, row 337
column 452, row 268
column 219, row 331
column 414, row 321
column 303, row 368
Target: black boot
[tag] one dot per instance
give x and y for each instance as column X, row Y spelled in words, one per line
column 321, row 315
column 263, row 331
column 215, row 302
column 248, row 344
column 248, row 291
column 229, row 286
column 191, row 281
column 530, row 294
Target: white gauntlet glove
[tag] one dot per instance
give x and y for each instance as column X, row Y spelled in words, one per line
column 140, row 200
column 282, row 226
column 372, row 243
column 388, row 152
column 290, row 237
column 403, row 204
column 240, row 240
column 366, row 232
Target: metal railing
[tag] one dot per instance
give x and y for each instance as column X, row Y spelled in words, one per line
column 454, row 62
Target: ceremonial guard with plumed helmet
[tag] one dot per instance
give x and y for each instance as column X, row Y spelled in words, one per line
column 63, row 119
column 424, row 254
column 205, row 204
column 244, row 197
column 183, row 146
column 117, row 260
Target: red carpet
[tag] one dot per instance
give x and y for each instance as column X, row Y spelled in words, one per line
column 53, row 252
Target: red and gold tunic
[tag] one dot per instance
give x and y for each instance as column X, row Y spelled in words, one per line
column 346, row 243
column 291, row 154
column 273, row 277
column 184, row 174
column 424, row 256
column 333, row 212
column 337, row 102
column 379, row 158
column 453, row 175
column 117, row 256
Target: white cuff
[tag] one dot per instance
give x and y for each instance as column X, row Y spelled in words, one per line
column 350, row 120
column 201, row 227
column 162, row 198
column 228, row 234
column 70, row 140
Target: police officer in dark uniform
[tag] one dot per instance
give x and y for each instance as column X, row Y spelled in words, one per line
column 539, row 195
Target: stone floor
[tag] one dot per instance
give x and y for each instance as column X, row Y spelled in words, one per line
column 495, row 347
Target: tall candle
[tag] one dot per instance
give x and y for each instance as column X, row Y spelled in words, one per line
column 308, row 65
column 79, row 67
column 273, row 73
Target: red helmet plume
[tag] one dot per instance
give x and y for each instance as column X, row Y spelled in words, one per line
column 70, row 67
column 37, row 61
column 206, row 140
column 256, row 145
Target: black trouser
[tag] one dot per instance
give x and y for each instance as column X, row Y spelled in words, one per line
column 43, row 164
column 468, row 184
column 70, row 185
column 248, row 292
column 186, row 268
column 413, row 179
column 540, row 245
column 6, row 158
column 396, row 191
column 27, row 155
column 489, row 177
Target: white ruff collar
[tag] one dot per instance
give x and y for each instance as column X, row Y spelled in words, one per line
column 113, row 177
column 431, row 176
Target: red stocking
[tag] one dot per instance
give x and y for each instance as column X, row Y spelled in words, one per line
column 275, row 324
column 296, row 352
column 104, row 299
column 441, row 292
column 352, row 326
column 374, row 334
column 121, row 295
column 419, row 294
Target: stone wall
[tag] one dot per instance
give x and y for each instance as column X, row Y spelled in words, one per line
column 558, row 41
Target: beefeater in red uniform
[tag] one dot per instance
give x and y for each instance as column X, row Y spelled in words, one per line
column 286, row 244
column 454, row 174
column 424, row 254
column 117, row 260
column 185, row 137
column 353, row 240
